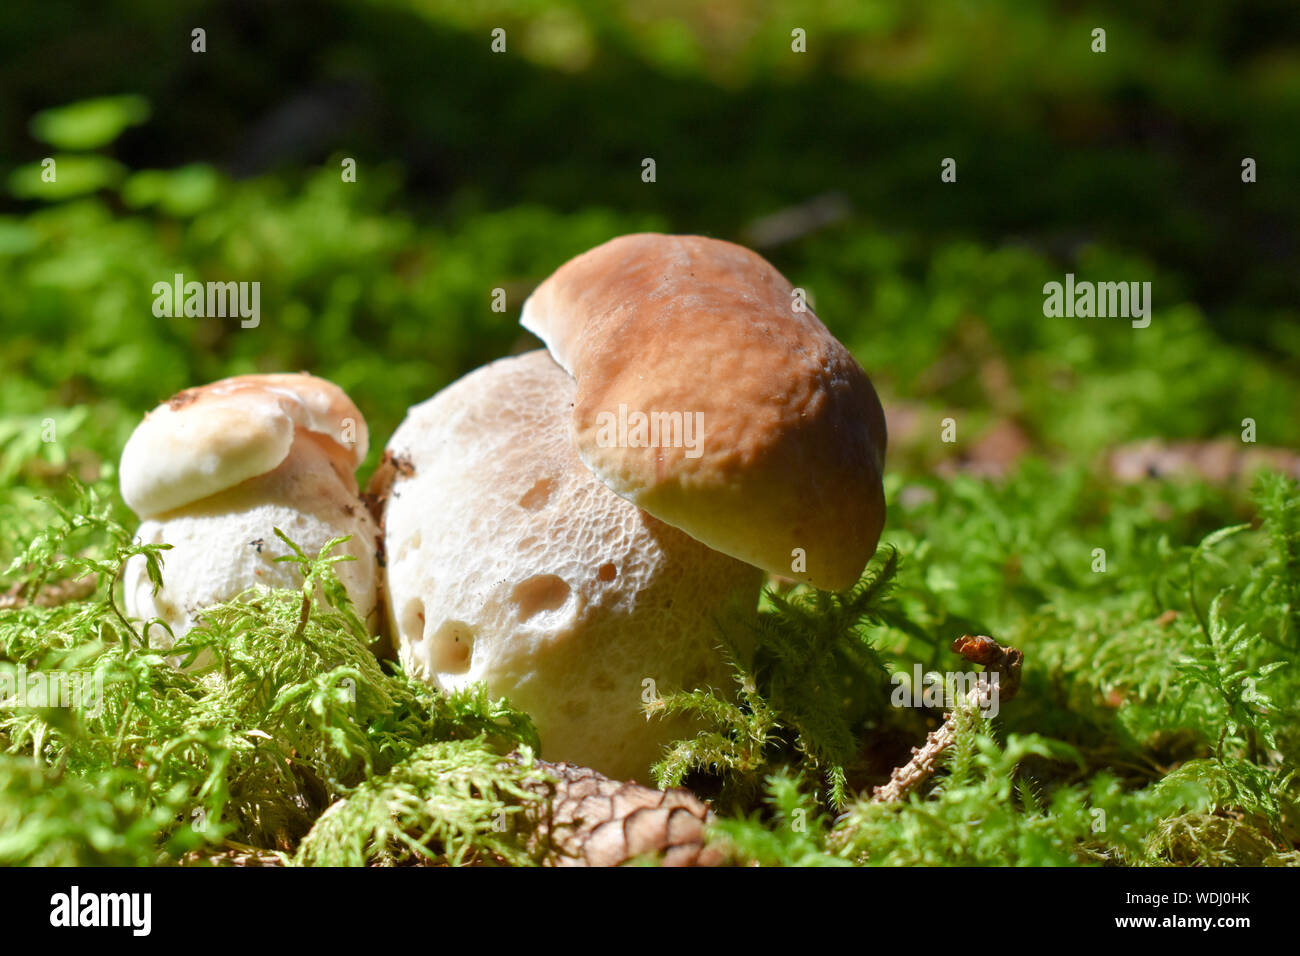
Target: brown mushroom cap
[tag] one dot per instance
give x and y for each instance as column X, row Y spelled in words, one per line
column 793, row 434
column 207, row 439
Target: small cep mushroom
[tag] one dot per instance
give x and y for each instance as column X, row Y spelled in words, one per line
column 509, row 562
column 710, row 395
column 215, row 469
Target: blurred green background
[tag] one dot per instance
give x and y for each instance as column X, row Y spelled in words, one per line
column 479, row 170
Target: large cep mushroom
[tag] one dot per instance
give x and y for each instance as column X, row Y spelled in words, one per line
column 568, row 537
column 214, row 470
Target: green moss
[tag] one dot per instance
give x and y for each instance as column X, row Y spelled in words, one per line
column 285, row 712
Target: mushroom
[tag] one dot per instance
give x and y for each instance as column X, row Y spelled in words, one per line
column 214, row 470
column 655, row 329
column 509, row 562
column 576, row 540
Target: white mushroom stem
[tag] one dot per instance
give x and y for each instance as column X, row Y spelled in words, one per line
column 226, row 544
column 509, row 562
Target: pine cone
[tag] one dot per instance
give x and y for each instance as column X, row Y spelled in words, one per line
column 586, row 819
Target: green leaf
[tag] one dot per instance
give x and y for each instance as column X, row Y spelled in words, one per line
column 89, row 124
column 73, row 176
column 177, row 192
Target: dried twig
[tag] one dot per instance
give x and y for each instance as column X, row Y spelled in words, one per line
column 1005, row 663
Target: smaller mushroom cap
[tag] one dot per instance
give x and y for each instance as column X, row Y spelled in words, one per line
column 710, row 395
column 207, row 439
